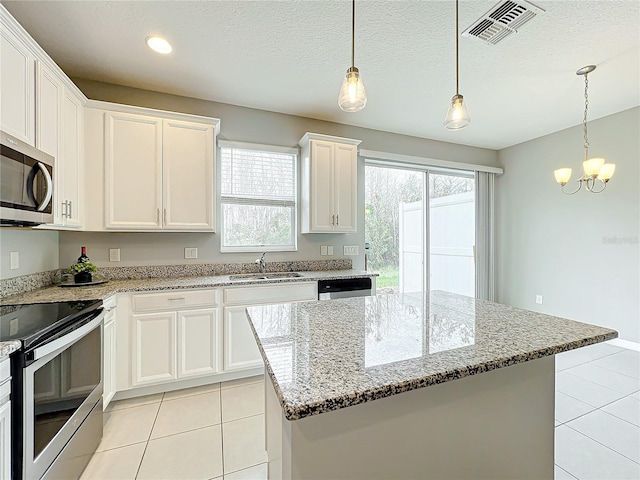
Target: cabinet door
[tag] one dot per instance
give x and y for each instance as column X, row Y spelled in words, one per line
column 133, row 171
column 240, row 348
column 17, row 74
column 322, row 187
column 5, row 441
column 49, row 95
column 188, row 167
column 153, row 339
column 72, row 158
column 109, row 359
column 345, row 174
column 198, row 343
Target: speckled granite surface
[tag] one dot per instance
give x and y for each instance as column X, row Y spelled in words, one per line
column 327, row 355
column 66, row 294
column 8, row 347
column 25, row 283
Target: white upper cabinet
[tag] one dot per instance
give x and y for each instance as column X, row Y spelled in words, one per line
column 133, row 171
column 17, row 92
column 188, row 171
column 59, row 125
column 159, row 173
column 329, row 184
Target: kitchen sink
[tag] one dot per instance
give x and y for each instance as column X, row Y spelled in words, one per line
column 265, row 276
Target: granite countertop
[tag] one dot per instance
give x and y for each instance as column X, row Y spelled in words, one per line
column 327, row 355
column 8, row 347
column 68, row 294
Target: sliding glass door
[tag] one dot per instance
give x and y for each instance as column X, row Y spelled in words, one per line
column 414, row 214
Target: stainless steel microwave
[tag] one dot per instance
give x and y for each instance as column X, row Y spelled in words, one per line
column 26, row 184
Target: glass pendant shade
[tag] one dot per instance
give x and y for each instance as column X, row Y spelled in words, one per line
column 562, row 175
column 592, row 167
column 457, row 115
column 353, row 96
column 606, row 172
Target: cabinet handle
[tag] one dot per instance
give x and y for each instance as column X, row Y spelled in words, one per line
column 333, row 219
column 337, row 219
column 176, row 299
column 64, row 209
column 165, row 216
column 70, row 209
column 158, row 216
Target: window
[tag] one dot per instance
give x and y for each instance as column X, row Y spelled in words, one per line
column 258, row 196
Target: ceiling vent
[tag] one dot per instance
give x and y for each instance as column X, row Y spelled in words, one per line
column 502, row 20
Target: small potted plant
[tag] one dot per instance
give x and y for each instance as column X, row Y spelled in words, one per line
column 82, row 271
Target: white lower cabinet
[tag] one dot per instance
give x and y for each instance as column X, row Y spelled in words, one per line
column 240, row 348
column 198, row 339
column 179, row 335
column 5, row 441
column 154, row 347
column 109, row 356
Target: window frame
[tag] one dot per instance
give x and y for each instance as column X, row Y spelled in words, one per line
column 295, row 152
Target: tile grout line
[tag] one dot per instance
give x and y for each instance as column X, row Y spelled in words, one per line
column 566, row 471
column 600, row 443
column 221, row 431
column 148, row 439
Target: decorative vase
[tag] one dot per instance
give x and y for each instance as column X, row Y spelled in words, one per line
column 82, row 277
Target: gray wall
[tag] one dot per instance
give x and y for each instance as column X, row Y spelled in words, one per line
column 256, row 126
column 37, row 251
column 580, row 252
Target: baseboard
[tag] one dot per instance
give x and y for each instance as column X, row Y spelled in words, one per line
column 618, row 342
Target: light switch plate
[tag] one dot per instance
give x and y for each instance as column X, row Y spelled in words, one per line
column 190, row 252
column 330, row 250
column 539, row 299
column 15, row 260
column 323, row 250
column 351, row 250
column 114, row 254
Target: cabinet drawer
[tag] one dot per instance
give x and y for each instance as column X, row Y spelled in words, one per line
column 282, row 292
column 174, row 300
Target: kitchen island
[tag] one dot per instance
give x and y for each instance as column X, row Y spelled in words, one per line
column 428, row 386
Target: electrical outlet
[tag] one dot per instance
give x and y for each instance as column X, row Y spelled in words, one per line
column 323, row 250
column 190, row 252
column 330, row 250
column 13, row 326
column 539, row 299
column 114, row 254
column 351, row 250
column 15, row 260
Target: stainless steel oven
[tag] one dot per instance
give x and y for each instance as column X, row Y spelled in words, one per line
column 26, row 183
column 57, row 389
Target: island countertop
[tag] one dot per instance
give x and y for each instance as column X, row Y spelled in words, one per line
column 326, row 355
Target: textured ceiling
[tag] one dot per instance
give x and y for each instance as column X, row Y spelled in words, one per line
column 290, row 56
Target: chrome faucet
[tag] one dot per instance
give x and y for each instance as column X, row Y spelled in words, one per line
column 262, row 263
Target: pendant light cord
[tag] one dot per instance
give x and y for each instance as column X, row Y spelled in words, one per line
column 353, row 32
column 584, row 121
column 457, row 74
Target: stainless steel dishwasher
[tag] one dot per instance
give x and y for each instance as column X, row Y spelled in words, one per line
column 345, row 287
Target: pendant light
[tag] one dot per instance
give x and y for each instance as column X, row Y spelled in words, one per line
column 594, row 168
column 457, row 115
column 353, row 96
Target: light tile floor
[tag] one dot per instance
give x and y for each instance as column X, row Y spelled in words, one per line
column 598, row 414
column 210, row 432
column 217, row 431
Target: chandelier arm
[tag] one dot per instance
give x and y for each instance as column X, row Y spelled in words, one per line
column 604, row 185
column 575, row 191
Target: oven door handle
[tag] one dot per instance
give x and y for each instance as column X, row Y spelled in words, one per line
column 65, row 340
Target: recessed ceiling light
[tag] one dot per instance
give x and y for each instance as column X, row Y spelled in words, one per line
column 159, row 44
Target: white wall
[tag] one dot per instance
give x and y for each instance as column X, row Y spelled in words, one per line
column 256, row 126
column 37, row 251
column 580, row 252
